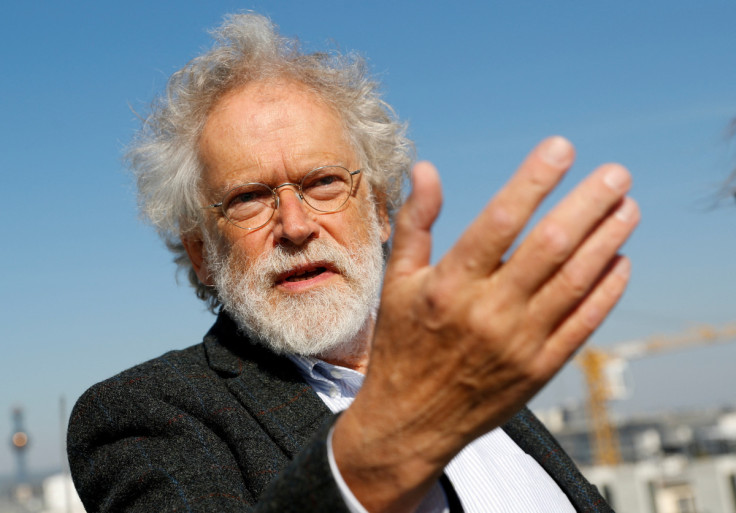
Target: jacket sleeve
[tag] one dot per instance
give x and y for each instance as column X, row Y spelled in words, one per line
column 135, row 451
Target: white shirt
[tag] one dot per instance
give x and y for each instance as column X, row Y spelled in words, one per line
column 489, row 475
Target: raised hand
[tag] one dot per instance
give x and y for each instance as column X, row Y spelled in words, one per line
column 461, row 346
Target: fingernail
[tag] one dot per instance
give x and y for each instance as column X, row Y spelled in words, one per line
column 616, row 178
column 556, row 151
column 626, row 211
column 623, row 267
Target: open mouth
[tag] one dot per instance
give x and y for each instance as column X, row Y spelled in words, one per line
column 305, row 275
column 306, row 272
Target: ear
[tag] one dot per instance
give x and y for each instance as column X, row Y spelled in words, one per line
column 194, row 245
column 384, row 222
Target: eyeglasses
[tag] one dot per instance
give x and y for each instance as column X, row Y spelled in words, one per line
column 251, row 205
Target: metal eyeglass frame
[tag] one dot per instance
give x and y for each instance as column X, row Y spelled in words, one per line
column 274, row 192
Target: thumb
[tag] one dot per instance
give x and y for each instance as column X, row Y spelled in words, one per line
column 412, row 244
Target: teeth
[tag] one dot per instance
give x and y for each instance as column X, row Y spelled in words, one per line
column 305, row 275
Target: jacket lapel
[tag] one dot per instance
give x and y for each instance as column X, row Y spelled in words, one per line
column 534, row 439
column 267, row 385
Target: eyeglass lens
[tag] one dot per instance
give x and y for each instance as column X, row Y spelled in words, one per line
column 325, row 189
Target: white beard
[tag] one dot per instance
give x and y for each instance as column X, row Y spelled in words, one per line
column 323, row 322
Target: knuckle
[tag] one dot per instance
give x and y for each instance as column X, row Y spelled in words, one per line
column 494, row 316
column 484, row 325
column 472, row 266
column 503, row 222
column 574, row 282
column 436, row 299
column 614, row 286
column 540, row 179
column 591, row 316
column 554, row 241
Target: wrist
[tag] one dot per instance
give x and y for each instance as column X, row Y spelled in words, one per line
column 384, row 466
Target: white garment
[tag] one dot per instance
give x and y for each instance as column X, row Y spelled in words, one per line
column 490, row 475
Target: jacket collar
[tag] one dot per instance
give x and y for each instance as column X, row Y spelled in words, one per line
column 268, row 385
column 225, row 346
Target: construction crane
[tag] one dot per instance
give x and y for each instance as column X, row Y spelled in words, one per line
column 602, row 369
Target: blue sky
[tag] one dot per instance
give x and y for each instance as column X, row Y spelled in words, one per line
column 88, row 289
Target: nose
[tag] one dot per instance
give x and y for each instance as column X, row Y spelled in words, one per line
column 292, row 221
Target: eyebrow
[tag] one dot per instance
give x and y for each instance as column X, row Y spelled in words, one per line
column 228, row 186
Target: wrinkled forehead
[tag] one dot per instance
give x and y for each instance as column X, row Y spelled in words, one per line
column 272, row 128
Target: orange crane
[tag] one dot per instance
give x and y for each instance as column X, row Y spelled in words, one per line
column 601, row 366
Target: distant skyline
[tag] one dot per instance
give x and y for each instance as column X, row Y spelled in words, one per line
column 89, row 289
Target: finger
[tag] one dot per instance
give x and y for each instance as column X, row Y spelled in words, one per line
column 578, row 277
column 412, row 244
column 479, row 250
column 557, row 236
column 576, row 329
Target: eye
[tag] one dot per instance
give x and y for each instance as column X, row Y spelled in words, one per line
column 244, row 197
column 327, row 181
column 324, row 181
column 247, row 201
column 327, row 189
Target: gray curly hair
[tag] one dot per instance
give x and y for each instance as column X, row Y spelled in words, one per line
column 164, row 153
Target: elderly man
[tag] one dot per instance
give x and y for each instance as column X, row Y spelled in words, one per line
column 275, row 177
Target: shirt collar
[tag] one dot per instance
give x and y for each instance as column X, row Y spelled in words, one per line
column 326, row 378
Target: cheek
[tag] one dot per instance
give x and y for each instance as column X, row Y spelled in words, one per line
column 249, row 249
column 346, row 227
column 358, row 231
column 238, row 252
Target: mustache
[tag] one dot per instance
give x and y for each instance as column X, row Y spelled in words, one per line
column 285, row 258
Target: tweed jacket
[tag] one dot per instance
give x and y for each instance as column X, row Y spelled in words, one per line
column 227, row 425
